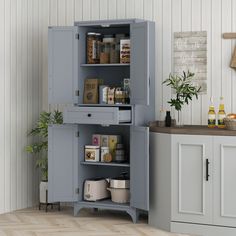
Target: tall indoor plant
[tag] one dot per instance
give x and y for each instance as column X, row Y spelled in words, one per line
column 40, row 147
column 184, row 91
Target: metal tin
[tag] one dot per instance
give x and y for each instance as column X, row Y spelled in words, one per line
column 91, row 153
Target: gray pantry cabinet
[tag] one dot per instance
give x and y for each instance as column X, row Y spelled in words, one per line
column 67, row 73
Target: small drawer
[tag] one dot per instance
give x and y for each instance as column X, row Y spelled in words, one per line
column 96, row 115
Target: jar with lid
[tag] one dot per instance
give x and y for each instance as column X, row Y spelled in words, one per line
column 108, row 38
column 105, row 52
column 120, row 153
column 93, row 40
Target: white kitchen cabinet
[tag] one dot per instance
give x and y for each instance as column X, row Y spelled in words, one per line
column 192, row 192
column 193, row 182
column 224, row 181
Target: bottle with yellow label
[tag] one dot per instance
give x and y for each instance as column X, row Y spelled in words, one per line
column 211, row 115
column 221, row 114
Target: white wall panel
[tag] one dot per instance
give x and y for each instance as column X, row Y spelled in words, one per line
column 23, row 68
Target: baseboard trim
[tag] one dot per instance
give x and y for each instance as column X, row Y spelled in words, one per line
column 202, row 230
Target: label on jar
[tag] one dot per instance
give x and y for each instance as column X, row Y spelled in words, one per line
column 94, row 54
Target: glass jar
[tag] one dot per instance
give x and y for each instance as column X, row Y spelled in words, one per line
column 93, row 40
column 105, row 53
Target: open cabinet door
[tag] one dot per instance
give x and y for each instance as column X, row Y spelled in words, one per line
column 139, row 164
column 139, row 70
column 63, row 65
column 62, row 163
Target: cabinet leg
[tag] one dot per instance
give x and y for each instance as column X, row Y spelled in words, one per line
column 134, row 213
column 77, row 209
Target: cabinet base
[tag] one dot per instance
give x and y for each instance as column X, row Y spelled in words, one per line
column 203, row 230
column 107, row 204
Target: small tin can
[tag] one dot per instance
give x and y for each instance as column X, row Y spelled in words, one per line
column 91, row 153
column 104, row 151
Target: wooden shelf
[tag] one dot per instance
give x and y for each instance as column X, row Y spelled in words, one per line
column 104, row 65
column 114, row 164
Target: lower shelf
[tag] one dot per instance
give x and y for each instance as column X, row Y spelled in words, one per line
column 105, row 204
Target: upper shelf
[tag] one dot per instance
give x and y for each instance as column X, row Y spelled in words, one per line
column 102, row 65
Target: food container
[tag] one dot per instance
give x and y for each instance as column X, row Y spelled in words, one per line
column 111, row 96
column 125, row 51
column 119, row 96
column 120, row 195
column 105, row 53
column 96, row 140
column 108, row 38
column 104, row 154
column 120, row 153
column 103, row 89
column 91, row 153
column 115, row 53
column 93, row 54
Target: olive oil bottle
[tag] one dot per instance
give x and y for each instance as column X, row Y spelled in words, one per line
column 211, row 115
column 221, row 114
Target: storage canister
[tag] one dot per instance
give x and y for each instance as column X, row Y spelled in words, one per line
column 93, row 54
column 104, row 151
column 91, row 153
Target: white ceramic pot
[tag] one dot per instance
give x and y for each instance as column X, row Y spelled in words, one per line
column 120, row 195
column 43, row 187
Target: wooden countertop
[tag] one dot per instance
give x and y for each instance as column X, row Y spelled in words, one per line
column 192, row 130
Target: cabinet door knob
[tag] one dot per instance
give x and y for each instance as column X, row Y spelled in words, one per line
column 89, row 115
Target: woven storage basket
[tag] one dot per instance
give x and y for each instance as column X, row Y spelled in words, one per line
column 230, row 123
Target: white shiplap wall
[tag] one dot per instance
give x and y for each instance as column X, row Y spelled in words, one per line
column 23, row 68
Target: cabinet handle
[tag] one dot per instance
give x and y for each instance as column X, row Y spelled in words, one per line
column 207, row 169
column 89, row 115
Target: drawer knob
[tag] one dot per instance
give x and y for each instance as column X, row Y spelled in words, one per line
column 89, row 115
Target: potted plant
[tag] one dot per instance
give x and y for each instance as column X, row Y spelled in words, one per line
column 184, row 90
column 41, row 147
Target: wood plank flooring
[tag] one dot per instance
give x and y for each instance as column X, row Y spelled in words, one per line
column 31, row 222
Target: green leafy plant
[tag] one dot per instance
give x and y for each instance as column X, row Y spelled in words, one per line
column 184, row 89
column 41, row 147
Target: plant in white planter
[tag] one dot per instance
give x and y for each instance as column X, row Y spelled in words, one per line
column 41, row 147
column 184, row 90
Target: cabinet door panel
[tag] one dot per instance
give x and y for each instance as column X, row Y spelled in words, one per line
column 191, row 191
column 62, row 163
column 224, row 181
column 139, row 71
column 62, row 65
column 139, row 167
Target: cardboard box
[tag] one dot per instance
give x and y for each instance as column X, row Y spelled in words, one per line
column 96, row 140
column 91, row 91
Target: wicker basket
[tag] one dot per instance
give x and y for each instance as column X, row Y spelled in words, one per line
column 230, row 123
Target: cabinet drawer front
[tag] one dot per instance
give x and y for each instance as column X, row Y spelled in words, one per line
column 91, row 115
